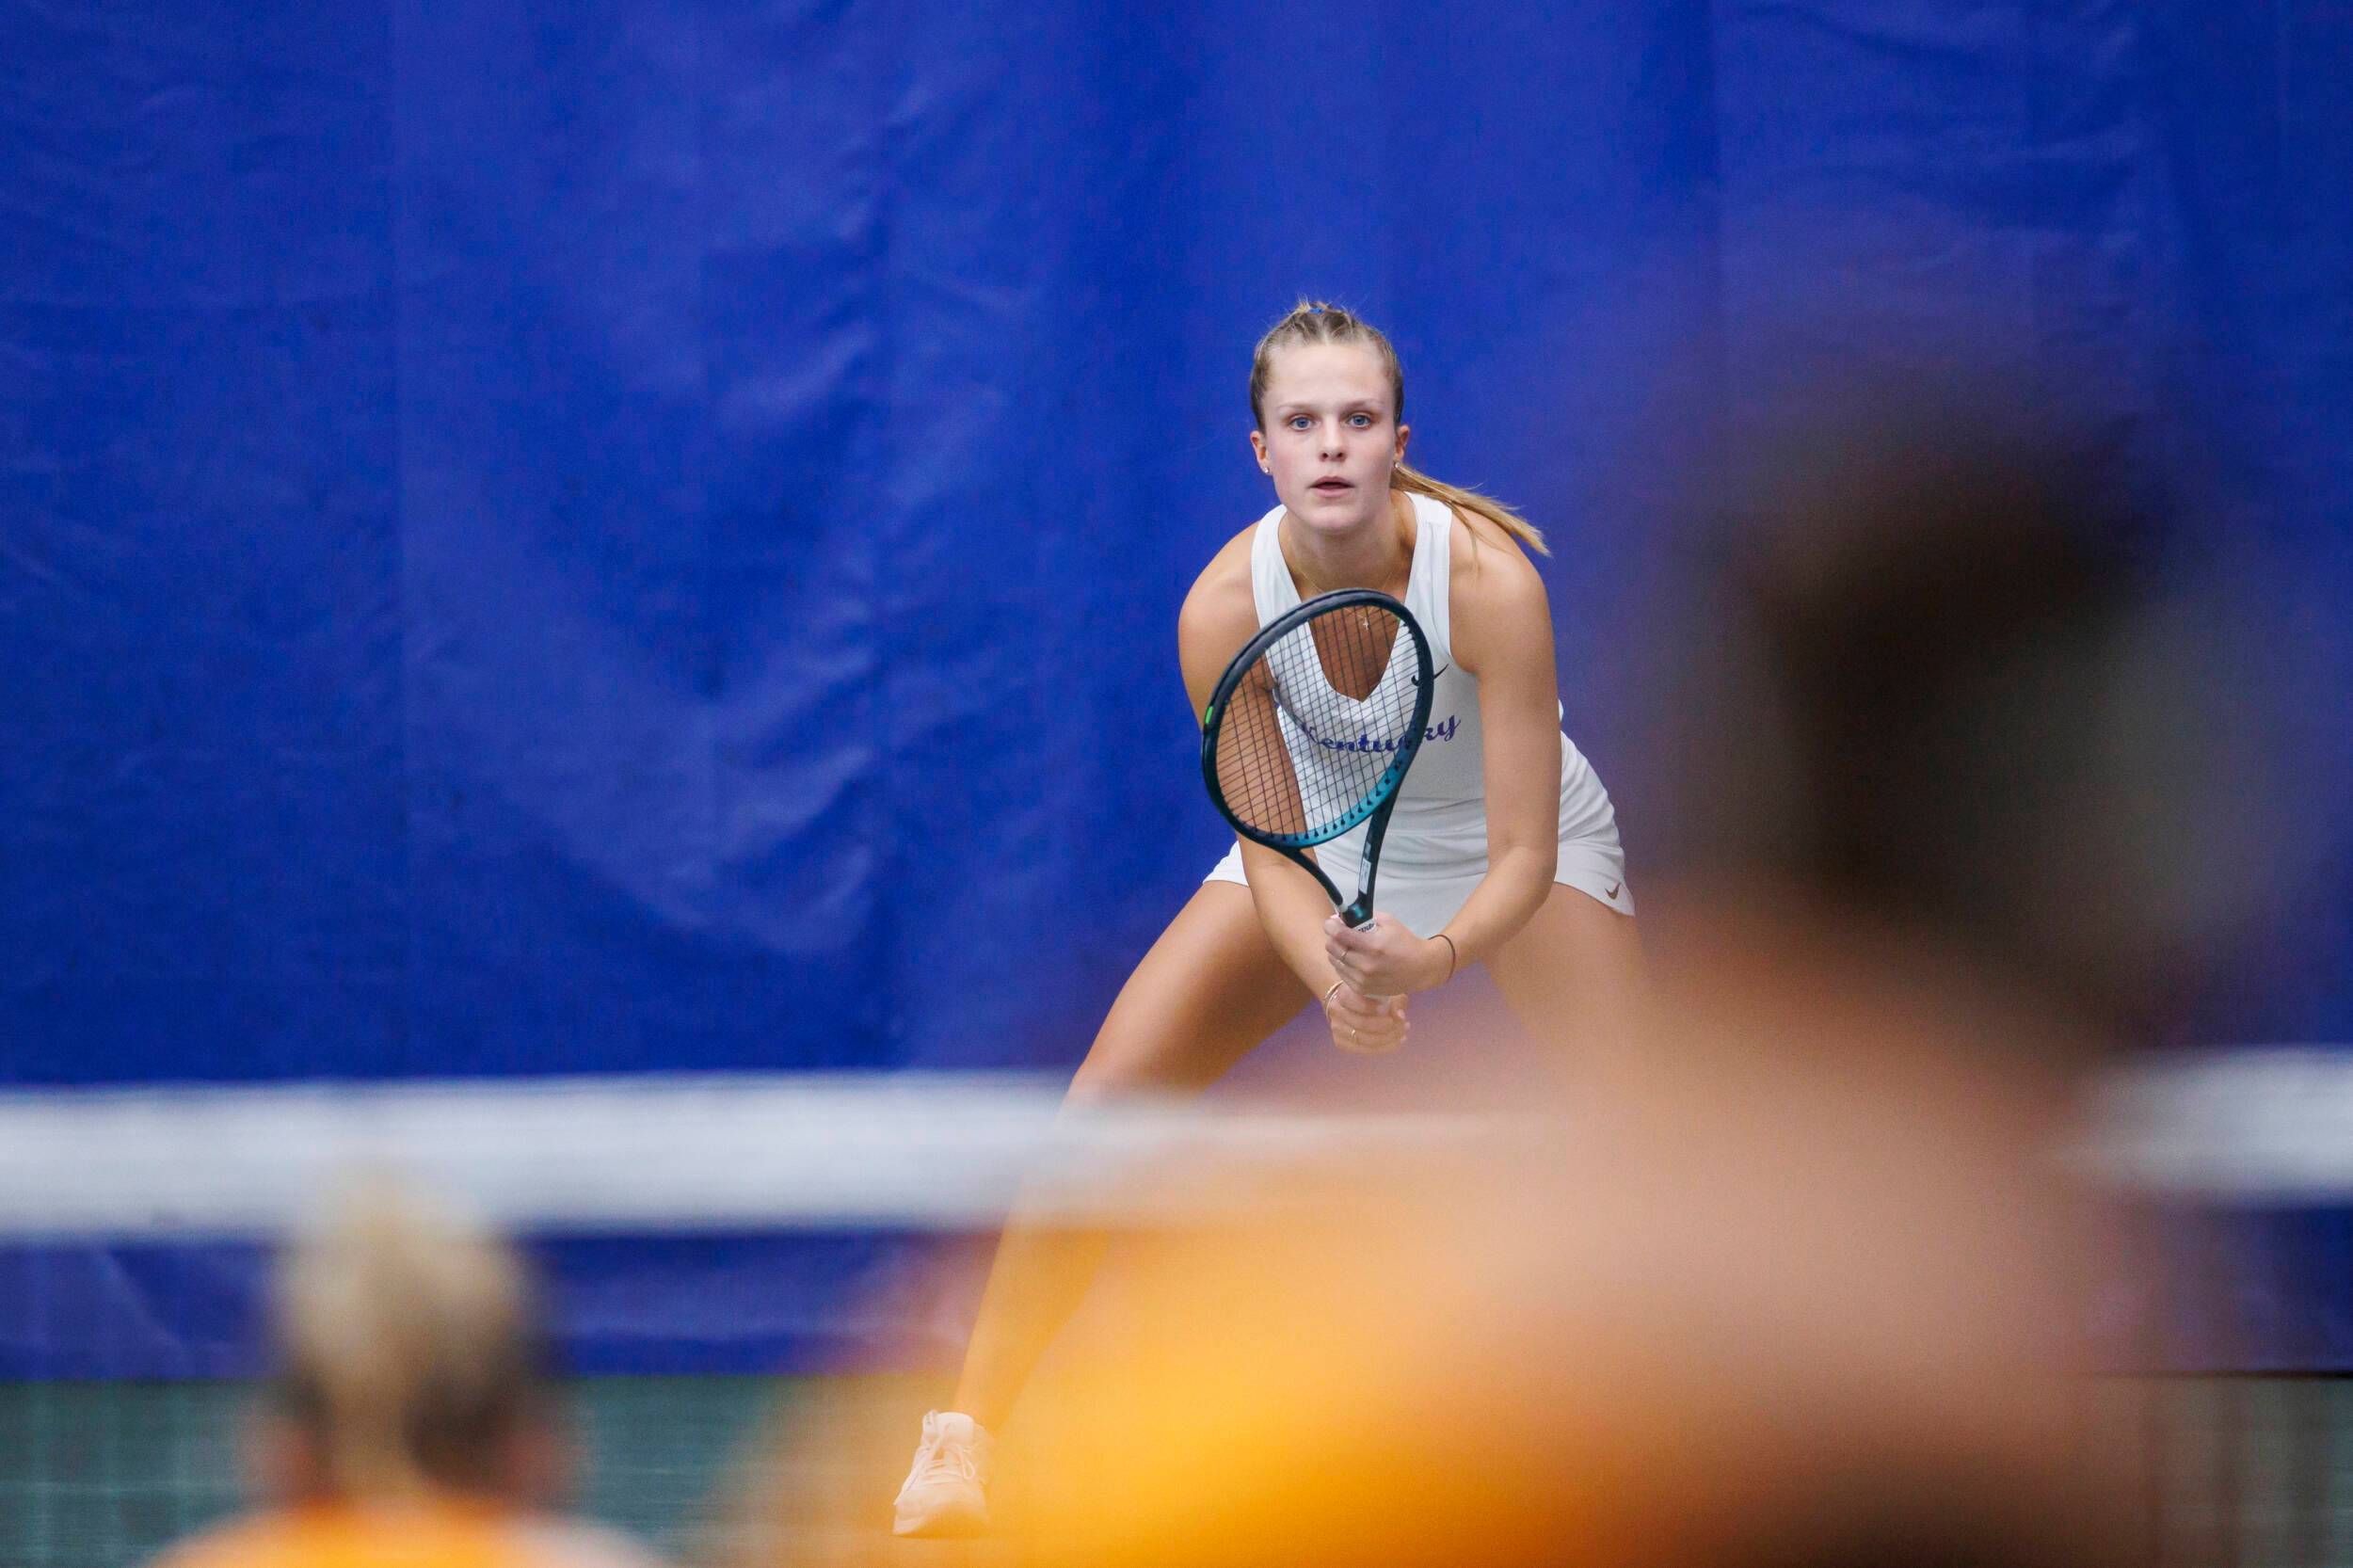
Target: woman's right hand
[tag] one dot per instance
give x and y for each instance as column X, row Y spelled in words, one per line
column 1362, row 1025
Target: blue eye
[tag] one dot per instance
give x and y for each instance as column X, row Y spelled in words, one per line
column 1301, row 421
column 1360, row 421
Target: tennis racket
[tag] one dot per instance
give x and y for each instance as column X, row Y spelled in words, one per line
column 1312, row 727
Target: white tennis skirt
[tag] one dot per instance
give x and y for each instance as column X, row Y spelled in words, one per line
column 1427, row 873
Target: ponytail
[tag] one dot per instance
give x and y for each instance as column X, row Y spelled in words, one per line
column 1313, row 321
column 1414, row 482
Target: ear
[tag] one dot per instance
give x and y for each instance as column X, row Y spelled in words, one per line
column 1402, row 431
column 1257, row 448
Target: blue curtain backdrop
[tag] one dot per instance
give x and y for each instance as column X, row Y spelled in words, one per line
column 646, row 534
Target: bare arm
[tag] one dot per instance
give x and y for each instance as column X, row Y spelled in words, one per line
column 1502, row 634
column 1218, row 618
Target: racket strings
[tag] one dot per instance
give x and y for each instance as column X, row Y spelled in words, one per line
column 1314, row 727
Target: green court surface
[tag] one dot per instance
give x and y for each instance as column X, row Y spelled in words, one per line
column 98, row 1474
column 2252, row 1472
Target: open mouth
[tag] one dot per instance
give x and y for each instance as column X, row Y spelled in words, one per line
column 1331, row 487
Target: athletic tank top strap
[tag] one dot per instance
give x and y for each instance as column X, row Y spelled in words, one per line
column 1270, row 585
column 1429, row 584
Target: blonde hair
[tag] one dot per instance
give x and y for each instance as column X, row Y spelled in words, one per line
column 1314, row 321
column 410, row 1349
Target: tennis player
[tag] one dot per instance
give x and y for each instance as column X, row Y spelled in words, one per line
column 1503, row 848
column 410, row 1425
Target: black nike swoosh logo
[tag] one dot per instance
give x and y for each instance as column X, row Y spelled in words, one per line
column 1613, row 889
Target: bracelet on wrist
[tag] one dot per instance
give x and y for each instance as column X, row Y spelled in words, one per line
column 1453, row 958
column 1333, row 992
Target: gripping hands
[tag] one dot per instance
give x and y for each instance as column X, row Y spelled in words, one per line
column 1376, row 967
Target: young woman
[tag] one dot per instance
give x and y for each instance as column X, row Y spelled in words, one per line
column 1503, row 848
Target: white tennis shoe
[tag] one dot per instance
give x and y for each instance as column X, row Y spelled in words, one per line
column 947, row 1491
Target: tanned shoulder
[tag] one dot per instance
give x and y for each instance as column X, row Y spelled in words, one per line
column 1497, row 602
column 1220, row 614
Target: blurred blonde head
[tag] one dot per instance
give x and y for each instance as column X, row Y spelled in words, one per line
column 412, row 1357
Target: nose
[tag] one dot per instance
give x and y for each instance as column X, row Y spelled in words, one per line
column 1332, row 441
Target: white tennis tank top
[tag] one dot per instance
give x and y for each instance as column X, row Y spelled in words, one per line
column 1443, row 804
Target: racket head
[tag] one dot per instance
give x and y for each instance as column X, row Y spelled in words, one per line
column 1312, row 727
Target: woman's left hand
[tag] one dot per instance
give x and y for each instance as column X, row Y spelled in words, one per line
column 1384, row 959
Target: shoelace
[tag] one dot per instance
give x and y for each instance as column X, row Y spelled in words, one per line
column 943, row 1456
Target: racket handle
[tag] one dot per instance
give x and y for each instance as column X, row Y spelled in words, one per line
column 1366, row 924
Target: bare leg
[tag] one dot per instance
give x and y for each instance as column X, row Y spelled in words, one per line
column 1573, row 976
column 1206, row 995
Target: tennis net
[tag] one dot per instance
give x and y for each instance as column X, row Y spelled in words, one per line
column 724, row 1254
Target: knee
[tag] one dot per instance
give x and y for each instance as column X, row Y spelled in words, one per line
column 1099, row 1086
